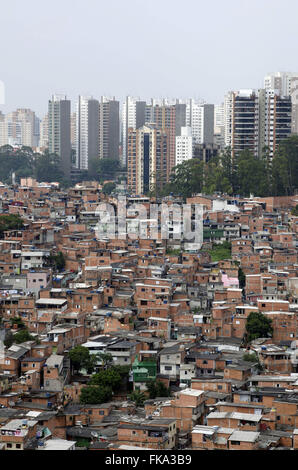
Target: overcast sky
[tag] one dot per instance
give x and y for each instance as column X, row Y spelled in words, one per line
column 170, row 48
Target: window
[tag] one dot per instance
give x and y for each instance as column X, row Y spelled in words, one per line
column 235, row 443
column 9, row 446
column 18, row 446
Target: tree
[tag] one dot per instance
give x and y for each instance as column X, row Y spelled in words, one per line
column 10, row 222
column 80, row 357
column 254, row 358
column 295, row 211
column 105, row 358
column 250, row 357
column 60, row 261
column 107, row 168
column 158, row 389
column 258, row 326
column 22, row 336
column 109, row 378
column 20, row 162
column 187, row 178
column 137, row 397
column 215, row 178
column 48, row 167
column 57, row 262
column 108, row 188
column 251, row 175
column 242, row 279
column 93, row 395
column 285, row 167
column 122, row 370
column 17, row 321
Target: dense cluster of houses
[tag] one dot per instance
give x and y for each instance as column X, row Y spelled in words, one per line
column 161, row 307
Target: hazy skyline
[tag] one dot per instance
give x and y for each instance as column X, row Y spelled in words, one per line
column 164, row 48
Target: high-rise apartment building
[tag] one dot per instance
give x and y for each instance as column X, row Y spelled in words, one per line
column 21, row 128
column 44, row 132
column 219, row 125
column 278, row 119
column 170, row 118
column 200, row 117
column 109, row 128
column 59, row 130
column 133, row 117
column 147, row 159
column 184, row 145
column 73, row 130
column 286, row 83
column 242, row 131
column 86, row 131
column 256, row 119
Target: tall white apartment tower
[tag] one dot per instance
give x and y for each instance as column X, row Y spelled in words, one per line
column 86, row 131
column 184, row 145
column 200, row 117
column 133, row 117
column 219, row 125
column 44, row 132
column 195, row 120
column 286, row 83
column 82, row 133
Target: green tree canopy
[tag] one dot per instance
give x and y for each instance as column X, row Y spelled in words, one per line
column 186, row 179
column 80, row 357
column 285, row 167
column 94, row 395
column 10, row 222
column 109, row 188
column 242, row 279
column 17, row 321
column 242, row 173
column 137, row 397
column 22, row 336
column 105, row 358
column 109, row 378
column 158, row 389
column 57, row 262
column 48, row 167
column 258, row 326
